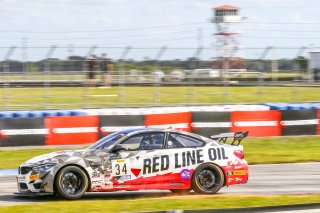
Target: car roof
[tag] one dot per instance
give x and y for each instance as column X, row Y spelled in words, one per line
column 147, row 129
column 131, row 130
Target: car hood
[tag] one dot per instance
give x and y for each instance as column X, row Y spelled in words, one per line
column 53, row 157
column 63, row 156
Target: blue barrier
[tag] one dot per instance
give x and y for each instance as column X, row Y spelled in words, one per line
column 296, row 106
column 45, row 113
column 40, row 113
column 8, row 172
column 6, row 114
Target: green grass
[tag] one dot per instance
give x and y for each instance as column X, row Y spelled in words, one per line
column 75, row 97
column 282, row 149
column 154, row 204
column 257, row 151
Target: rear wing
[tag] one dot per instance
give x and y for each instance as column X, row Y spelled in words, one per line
column 237, row 137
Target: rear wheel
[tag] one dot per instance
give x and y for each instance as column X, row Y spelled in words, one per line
column 207, row 179
column 71, row 182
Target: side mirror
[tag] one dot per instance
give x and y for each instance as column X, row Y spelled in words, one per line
column 118, row 148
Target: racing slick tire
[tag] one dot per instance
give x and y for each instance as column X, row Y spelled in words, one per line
column 180, row 191
column 71, row 182
column 207, row 179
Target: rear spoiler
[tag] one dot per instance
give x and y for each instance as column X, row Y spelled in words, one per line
column 237, row 137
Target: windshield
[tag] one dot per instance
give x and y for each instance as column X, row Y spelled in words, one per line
column 107, row 141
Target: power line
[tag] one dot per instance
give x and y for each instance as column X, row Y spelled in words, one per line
column 107, row 37
column 101, row 31
column 291, row 38
column 280, row 23
column 282, row 30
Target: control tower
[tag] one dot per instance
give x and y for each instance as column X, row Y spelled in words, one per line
column 228, row 49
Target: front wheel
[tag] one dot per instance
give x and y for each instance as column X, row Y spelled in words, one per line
column 71, row 182
column 207, row 179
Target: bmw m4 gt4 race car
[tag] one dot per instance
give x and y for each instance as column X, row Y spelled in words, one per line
column 139, row 159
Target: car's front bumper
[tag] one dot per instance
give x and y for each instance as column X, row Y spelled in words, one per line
column 35, row 182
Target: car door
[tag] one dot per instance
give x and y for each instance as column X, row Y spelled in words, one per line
column 143, row 161
column 185, row 153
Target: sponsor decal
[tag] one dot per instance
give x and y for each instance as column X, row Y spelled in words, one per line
column 121, row 186
column 239, row 167
column 95, row 182
column 121, row 161
column 120, row 168
column 123, row 177
column 108, row 186
column 238, row 179
column 156, row 164
column 240, row 172
column 136, row 172
column 95, row 174
column 230, row 180
column 107, row 174
column 185, row 174
column 181, row 159
column 229, row 173
column 176, row 184
column 21, row 178
column 34, row 177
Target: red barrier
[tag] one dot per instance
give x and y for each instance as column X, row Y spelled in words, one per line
column 180, row 121
column 72, row 130
column 258, row 123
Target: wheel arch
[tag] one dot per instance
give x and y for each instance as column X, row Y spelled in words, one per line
column 80, row 167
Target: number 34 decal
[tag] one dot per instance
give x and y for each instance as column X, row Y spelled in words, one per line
column 119, row 170
column 120, row 167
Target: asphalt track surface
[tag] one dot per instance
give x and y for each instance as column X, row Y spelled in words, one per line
column 272, row 179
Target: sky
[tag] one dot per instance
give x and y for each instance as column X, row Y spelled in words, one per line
column 182, row 26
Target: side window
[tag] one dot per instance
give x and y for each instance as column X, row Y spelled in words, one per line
column 182, row 141
column 144, row 141
column 133, row 142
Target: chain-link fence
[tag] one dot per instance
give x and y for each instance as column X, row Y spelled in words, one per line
column 58, row 77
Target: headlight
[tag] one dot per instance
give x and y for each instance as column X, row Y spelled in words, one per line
column 42, row 167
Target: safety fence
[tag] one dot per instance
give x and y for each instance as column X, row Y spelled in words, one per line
column 154, row 68
column 87, row 126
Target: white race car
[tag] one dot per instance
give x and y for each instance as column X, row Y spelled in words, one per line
column 139, row 159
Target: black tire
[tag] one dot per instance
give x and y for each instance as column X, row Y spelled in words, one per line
column 71, row 182
column 180, row 191
column 207, row 179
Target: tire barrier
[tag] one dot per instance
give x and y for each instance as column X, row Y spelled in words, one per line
column 113, row 123
column 71, row 130
column 62, row 127
column 258, row 123
column 210, row 123
column 180, row 121
column 22, row 131
column 299, row 122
